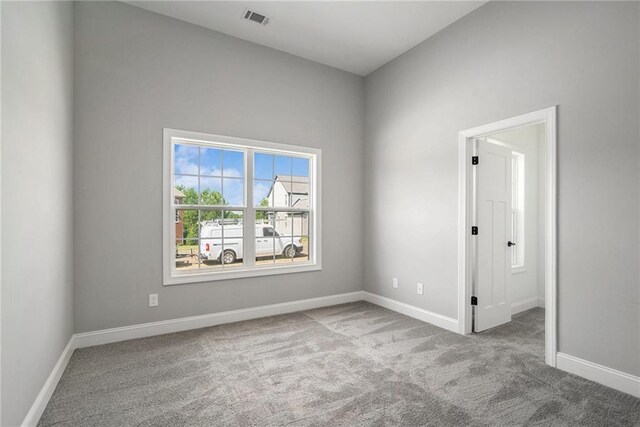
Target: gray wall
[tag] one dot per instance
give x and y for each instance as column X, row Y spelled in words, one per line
column 504, row 59
column 37, row 282
column 137, row 72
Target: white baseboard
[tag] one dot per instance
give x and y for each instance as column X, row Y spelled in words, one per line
column 618, row 380
column 106, row 336
column 541, row 302
column 409, row 310
column 520, row 306
column 40, row 404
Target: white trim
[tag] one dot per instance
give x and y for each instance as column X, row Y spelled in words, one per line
column 541, row 302
column 236, row 273
column 609, row 377
column 524, row 305
column 548, row 117
column 412, row 311
column 106, row 336
column 314, row 155
column 42, row 400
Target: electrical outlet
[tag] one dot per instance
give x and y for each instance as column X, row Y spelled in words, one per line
column 420, row 289
column 153, row 300
column 395, row 282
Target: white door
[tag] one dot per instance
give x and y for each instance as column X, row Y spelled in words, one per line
column 493, row 218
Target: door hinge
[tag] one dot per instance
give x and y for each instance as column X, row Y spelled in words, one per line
column 474, row 300
column 475, row 160
column 474, row 230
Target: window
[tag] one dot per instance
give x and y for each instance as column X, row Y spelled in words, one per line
column 517, row 210
column 238, row 208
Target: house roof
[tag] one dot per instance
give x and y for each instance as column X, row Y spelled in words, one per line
column 294, row 184
column 178, row 193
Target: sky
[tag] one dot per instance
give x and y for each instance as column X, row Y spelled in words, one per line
column 223, row 171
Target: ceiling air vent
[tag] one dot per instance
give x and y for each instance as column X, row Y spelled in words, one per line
column 256, row 17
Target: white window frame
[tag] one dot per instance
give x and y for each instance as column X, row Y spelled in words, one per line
column 249, row 268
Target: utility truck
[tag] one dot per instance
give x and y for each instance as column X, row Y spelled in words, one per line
column 229, row 248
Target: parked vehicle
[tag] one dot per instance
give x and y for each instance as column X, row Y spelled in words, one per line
column 268, row 242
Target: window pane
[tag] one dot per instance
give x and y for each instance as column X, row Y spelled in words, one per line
column 233, row 162
column 287, row 246
column 281, row 192
column 232, row 244
column 186, row 256
column 207, row 217
column 210, row 161
column 299, row 196
column 186, row 224
column 263, row 166
column 265, row 249
column 185, row 159
column 223, row 231
column 211, row 191
column 302, row 246
column 300, row 169
column 284, row 223
column 282, row 166
column 185, row 189
column 233, row 191
column 262, row 217
column 300, row 223
column 210, row 250
column 262, row 193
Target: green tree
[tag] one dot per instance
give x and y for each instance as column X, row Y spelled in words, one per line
column 191, row 218
column 262, row 214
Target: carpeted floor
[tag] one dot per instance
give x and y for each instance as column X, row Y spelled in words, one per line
column 347, row 365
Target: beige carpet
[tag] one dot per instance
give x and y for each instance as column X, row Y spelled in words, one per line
column 353, row 364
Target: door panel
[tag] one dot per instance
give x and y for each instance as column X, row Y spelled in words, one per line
column 493, row 216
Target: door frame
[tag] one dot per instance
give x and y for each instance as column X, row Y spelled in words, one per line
column 465, row 191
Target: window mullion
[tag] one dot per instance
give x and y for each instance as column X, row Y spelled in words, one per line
column 249, row 213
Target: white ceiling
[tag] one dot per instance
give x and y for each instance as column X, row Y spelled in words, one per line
column 355, row 36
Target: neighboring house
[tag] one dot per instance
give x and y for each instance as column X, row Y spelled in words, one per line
column 179, row 196
column 290, row 191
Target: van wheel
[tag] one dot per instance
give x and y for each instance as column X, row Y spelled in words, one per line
column 229, row 257
column 289, row 252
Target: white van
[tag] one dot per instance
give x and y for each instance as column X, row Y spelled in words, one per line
column 266, row 240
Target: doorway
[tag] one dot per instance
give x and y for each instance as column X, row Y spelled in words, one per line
column 507, row 244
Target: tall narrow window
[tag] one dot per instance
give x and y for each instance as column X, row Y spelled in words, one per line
column 238, row 208
column 517, row 210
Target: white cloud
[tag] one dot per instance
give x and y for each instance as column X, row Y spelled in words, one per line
column 187, row 181
column 186, row 163
column 260, row 191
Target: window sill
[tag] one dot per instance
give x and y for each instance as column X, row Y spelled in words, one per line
column 518, row 269
column 240, row 273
